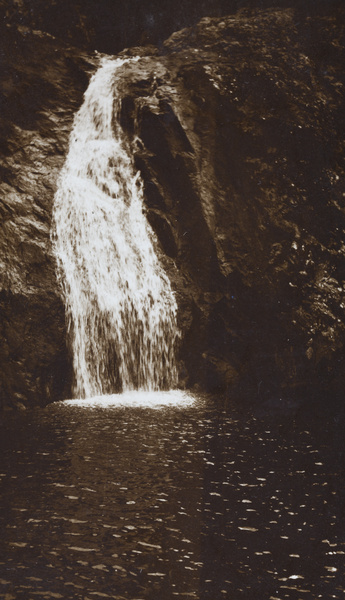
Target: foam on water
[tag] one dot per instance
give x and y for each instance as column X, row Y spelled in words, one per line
column 175, row 398
column 121, row 311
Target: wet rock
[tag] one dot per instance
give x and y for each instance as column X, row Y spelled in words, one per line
column 41, row 88
column 241, row 130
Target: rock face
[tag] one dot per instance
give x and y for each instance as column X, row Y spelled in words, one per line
column 242, row 154
column 42, row 85
column 111, row 25
column 237, row 126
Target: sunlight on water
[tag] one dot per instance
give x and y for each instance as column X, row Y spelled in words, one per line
column 141, row 502
column 120, row 307
column 175, row 398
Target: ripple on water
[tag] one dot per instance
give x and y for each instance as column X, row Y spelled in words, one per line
column 153, row 519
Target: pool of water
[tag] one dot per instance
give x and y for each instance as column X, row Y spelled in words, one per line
column 153, row 502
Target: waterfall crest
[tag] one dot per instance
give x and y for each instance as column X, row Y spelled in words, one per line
column 121, row 311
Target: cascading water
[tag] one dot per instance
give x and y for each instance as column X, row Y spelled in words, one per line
column 120, row 308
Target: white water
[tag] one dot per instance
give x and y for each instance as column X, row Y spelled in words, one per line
column 120, row 308
column 155, row 400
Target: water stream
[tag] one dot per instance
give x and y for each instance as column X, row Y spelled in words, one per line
column 120, row 308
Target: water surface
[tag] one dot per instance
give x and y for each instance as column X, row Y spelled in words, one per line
column 153, row 503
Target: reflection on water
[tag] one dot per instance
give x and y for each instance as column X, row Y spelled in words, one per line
column 127, row 502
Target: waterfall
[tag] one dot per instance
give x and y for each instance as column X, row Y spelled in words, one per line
column 121, row 311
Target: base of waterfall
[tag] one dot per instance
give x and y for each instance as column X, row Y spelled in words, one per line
column 144, row 399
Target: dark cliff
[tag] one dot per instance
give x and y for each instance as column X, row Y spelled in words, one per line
column 241, row 147
column 42, row 82
column 243, row 161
